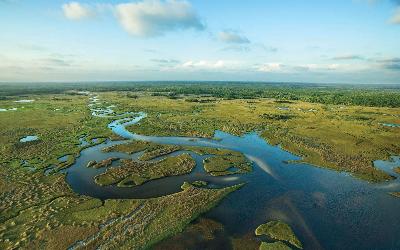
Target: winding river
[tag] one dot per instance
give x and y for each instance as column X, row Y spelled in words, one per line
column 327, row 209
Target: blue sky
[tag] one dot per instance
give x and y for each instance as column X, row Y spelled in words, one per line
column 343, row 41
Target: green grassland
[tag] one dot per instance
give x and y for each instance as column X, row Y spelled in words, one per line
column 38, row 211
column 151, row 150
column 58, row 120
column 278, row 230
column 340, row 137
column 102, row 164
column 273, row 246
column 128, row 147
column 210, row 151
column 155, row 151
column 202, row 231
column 222, row 164
column 155, row 219
column 133, row 173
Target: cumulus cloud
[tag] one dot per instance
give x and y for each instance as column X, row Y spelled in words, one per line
column 270, row 67
column 149, row 18
column 232, row 37
column 209, row 65
column 76, row 11
column 204, row 64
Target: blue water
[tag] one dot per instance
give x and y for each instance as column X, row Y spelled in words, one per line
column 29, row 138
column 83, row 142
column 64, row 158
column 392, row 125
column 327, row 209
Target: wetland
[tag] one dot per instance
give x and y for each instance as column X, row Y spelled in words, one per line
column 136, row 172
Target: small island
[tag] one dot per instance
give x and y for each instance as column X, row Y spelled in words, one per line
column 280, row 231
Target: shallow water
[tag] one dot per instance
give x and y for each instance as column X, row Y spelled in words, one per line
column 393, row 125
column 10, row 109
column 327, row 209
column 24, row 101
column 29, row 138
column 83, row 142
column 63, row 158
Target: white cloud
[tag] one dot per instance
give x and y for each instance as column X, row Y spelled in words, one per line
column 396, row 17
column 208, row 65
column 232, row 37
column 270, row 67
column 204, row 64
column 150, row 18
column 77, row 11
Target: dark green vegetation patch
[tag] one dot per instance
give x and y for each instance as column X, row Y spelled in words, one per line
column 278, row 230
column 231, row 163
column 151, row 150
column 104, row 163
column 274, row 246
column 133, row 173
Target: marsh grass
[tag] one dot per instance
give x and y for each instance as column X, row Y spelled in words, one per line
column 341, row 137
column 223, row 164
column 58, row 120
column 278, row 230
column 102, row 164
column 134, row 173
column 273, row 246
column 38, row 211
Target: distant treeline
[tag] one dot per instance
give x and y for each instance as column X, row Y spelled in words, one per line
column 363, row 95
column 338, row 96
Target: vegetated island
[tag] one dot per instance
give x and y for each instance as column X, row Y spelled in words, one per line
column 134, row 173
column 280, row 231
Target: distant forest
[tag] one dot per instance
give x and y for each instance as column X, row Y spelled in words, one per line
column 384, row 95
